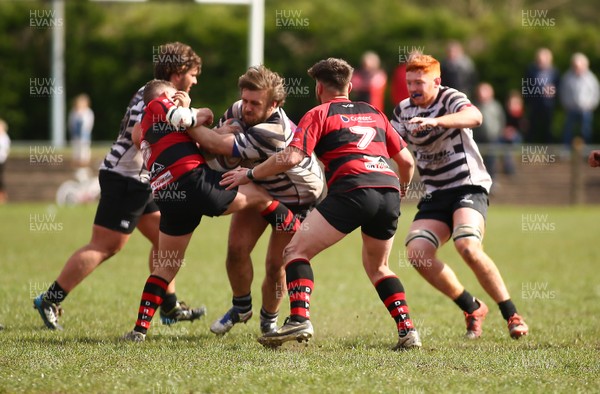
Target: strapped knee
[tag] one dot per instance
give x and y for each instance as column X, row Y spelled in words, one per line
column 465, row 231
column 424, row 234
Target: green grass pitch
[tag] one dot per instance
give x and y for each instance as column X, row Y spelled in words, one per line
column 549, row 257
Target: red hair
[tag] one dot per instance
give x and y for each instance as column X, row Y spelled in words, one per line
column 425, row 63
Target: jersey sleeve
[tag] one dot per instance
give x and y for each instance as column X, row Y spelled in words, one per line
column 158, row 108
column 308, row 132
column 259, row 142
column 394, row 142
column 457, row 101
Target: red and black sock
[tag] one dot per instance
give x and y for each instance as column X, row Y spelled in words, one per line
column 391, row 292
column 300, row 283
column 281, row 218
column 152, row 297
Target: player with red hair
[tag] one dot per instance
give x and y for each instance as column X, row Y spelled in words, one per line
column 436, row 121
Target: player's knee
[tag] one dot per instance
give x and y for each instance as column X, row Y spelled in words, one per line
column 468, row 232
column 430, row 238
column 290, row 251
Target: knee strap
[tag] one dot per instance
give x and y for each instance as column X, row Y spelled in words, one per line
column 425, row 234
column 466, row 230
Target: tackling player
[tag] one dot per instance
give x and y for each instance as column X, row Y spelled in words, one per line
column 355, row 142
column 436, row 121
column 125, row 201
column 185, row 189
column 267, row 130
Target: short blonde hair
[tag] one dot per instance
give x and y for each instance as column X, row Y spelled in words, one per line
column 261, row 78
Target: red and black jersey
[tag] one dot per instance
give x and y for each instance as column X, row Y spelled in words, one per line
column 168, row 152
column 354, row 141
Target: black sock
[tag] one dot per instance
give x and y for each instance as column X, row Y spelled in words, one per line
column 169, row 302
column 300, row 283
column 507, row 308
column 55, row 294
column 467, row 302
column 243, row 304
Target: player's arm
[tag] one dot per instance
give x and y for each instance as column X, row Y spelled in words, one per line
column 218, row 143
column 467, row 116
column 276, row 164
column 406, row 168
column 136, row 134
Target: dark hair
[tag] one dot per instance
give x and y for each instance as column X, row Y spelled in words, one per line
column 175, row 58
column 261, row 78
column 154, row 88
column 333, row 73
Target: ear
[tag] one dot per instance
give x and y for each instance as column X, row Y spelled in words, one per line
column 175, row 79
column 349, row 87
column 319, row 88
column 437, row 81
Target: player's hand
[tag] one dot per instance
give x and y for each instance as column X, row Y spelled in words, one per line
column 235, row 178
column 594, row 158
column 418, row 124
column 204, row 116
column 182, row 99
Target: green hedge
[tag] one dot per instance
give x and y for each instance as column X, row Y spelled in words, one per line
column 109, row 47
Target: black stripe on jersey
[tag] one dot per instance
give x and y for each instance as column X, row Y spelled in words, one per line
column 444, row 182
column 176, row 152
column 336, row 163
column 158, row 131
column 352, row 108
column 441, row 170
column 334, row 140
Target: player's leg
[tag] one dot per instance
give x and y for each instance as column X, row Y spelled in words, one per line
column 314, row 235
column 274, row 285
column 245, row 229
column 172, row 310
column 255, row 197
column 425, row 236
column 115, row 220
column 378, row 237
column 468, row 236
column 169, row 259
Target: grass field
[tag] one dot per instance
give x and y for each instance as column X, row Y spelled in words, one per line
column 549, row 258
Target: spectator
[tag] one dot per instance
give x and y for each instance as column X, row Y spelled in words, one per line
column 539, row 91
column 512, row 133
column 369, row 82
column 579, row 95
column 399, row 88
column 458, row 70
column 4, row 150
column 81, row 122
column 493, row 123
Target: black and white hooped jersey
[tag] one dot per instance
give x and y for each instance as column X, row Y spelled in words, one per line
column 445, row 157
column 300, row 185
column 124, row 157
